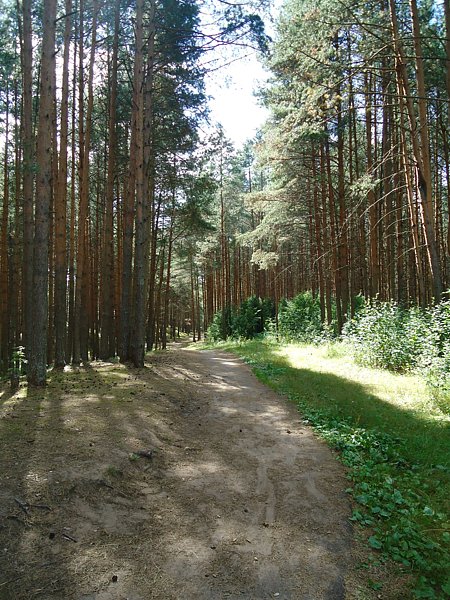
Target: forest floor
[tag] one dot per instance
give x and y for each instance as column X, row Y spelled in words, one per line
column 188, row 479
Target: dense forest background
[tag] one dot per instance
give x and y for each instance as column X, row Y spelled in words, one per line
column 125, row 218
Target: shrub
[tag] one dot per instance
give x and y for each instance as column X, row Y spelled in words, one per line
column 246, row 322
column 435, row 360
column 299, row 318
column 220, row 327
column 386, row 335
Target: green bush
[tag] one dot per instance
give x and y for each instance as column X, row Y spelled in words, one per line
column 382, row 334
column 388, row 336
column 248, row 321
column 385, row 335
column 435, row 360
column 299, row 318
column 220, row 327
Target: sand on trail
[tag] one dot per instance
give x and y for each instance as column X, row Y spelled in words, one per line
column 188, row 479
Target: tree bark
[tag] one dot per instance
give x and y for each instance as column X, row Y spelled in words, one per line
column 107, row 341
column 4, row 262
column 28, row 170
column 81, row 306
column 419, row 139
column 144, row 194
column 60, row 315
column 38, row 356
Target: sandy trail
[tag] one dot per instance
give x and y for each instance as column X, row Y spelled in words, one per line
column 239, row 499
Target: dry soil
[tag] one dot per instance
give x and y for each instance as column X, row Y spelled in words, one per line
column 185, row 480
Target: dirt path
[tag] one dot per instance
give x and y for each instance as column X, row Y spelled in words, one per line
column 238, row 498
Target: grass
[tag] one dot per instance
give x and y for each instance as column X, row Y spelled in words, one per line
column 391, row 436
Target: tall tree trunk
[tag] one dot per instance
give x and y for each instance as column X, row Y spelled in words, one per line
column 373, row 219
column 419, row 139
column 333, row 235
column 343, row 252
column 193, row 311
column 446, row 136
column 81, row 306
column 424, row 178
column 326, row 238
column 317, row 229
column 387, row 186
column 107, row 341
column 60, row 316
column 138, row 126
column 155, row 226
column 415, row 233
column 38, row 356
column 28, row 170
column 15, row 259
column 72, row 237
column 447, row 52
column 4, row 266
column 165, row 323
column 127, row 244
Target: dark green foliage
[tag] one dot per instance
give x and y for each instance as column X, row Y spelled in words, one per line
column 246, row 322
column 252, row 316
column 391, row 496
column 238, row 23
column 299, row 318
column 220, row 328
column 435, row 359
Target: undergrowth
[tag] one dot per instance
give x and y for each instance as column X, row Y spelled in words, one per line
column 399, row 495
column 392, row 497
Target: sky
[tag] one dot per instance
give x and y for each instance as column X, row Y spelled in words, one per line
column 232, row 91
column 233, row 103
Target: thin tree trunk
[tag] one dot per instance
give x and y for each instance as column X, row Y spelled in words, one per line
column 4, row 266
column 15, row 260
column 143, row 126
column 374, row 260
column 317, row 229
column 72, row 237
column 325, row 237
column 168, row 273
column 333, row 235
column 127, row 246
column 343, row 252
column 107, row 342
column 412, row 213
column 60, row 315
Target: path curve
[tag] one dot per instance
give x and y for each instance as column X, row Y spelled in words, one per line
column 268, row 507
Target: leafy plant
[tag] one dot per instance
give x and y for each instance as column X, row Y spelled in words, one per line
column 18, row 362
column 385, row 335
column 220, row 327
column 246, row 322
column 299, row 319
